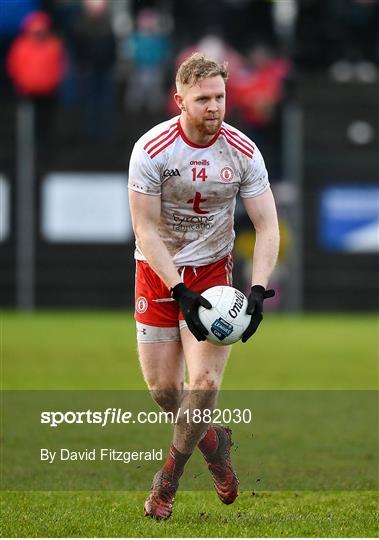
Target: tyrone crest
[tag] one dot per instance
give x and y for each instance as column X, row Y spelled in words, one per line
column 141, row 304
column 226, row 174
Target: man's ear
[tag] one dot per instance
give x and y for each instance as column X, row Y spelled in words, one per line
column 179, row 101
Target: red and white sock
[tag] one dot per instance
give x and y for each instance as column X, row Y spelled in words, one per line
column 175, row 463
column 209, row 442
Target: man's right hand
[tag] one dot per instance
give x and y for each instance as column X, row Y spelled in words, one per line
column 189, row 303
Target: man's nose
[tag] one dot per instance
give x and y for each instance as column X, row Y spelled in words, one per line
column 212, row 105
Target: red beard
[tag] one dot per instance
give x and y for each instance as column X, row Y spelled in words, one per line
column 206, row 127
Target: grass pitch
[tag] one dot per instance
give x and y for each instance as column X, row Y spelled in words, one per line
column 97, row 351
column 109, row 514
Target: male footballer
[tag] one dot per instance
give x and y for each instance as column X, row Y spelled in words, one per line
column 183, row 181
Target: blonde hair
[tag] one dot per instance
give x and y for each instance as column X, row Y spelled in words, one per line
column 197, row 68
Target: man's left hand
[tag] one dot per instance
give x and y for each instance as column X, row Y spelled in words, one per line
column 255, row 308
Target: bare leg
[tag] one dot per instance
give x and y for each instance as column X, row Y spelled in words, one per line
column 163, row 369
column 205, row 363
column 163, row 366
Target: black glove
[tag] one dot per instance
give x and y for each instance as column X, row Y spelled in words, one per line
column 255, row 309
column 189, row 302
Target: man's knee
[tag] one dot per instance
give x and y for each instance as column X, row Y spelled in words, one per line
column 206, row 381
column 203, row 391
column 168, row 398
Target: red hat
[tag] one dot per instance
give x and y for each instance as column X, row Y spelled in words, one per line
column 37, row 21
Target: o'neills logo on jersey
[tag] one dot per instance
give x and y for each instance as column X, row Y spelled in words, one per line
column 226, row 174
column 237, row 306
column 141, row 304
column 170, row 172
column 202, row 163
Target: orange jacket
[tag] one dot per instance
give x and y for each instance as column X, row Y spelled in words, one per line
column 36, row 62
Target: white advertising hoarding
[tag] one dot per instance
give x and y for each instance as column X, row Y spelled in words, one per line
column 85, row 208
column 4, row 208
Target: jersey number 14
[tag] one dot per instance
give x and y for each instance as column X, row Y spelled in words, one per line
column 199, row 174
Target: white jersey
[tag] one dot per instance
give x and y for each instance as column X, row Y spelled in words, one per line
column 198, row 186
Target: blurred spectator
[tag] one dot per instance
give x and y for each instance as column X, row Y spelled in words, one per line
column 238, row 19
column 65, row 13
column 215, row 47
column 11, row 15
column 346, row 30
column 245, row 20
column 95, row 50
column 36, row 64
column 363, row 29
column 149, row 50
column 212, row 46
column 258, row 91
column 195, row 19
column 36, row 58
column 313, row 42
column 357, row 52
column 284, row 16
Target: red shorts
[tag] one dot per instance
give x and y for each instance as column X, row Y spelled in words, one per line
column 154, row 305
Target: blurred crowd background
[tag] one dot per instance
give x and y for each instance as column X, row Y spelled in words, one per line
column 81, row 80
